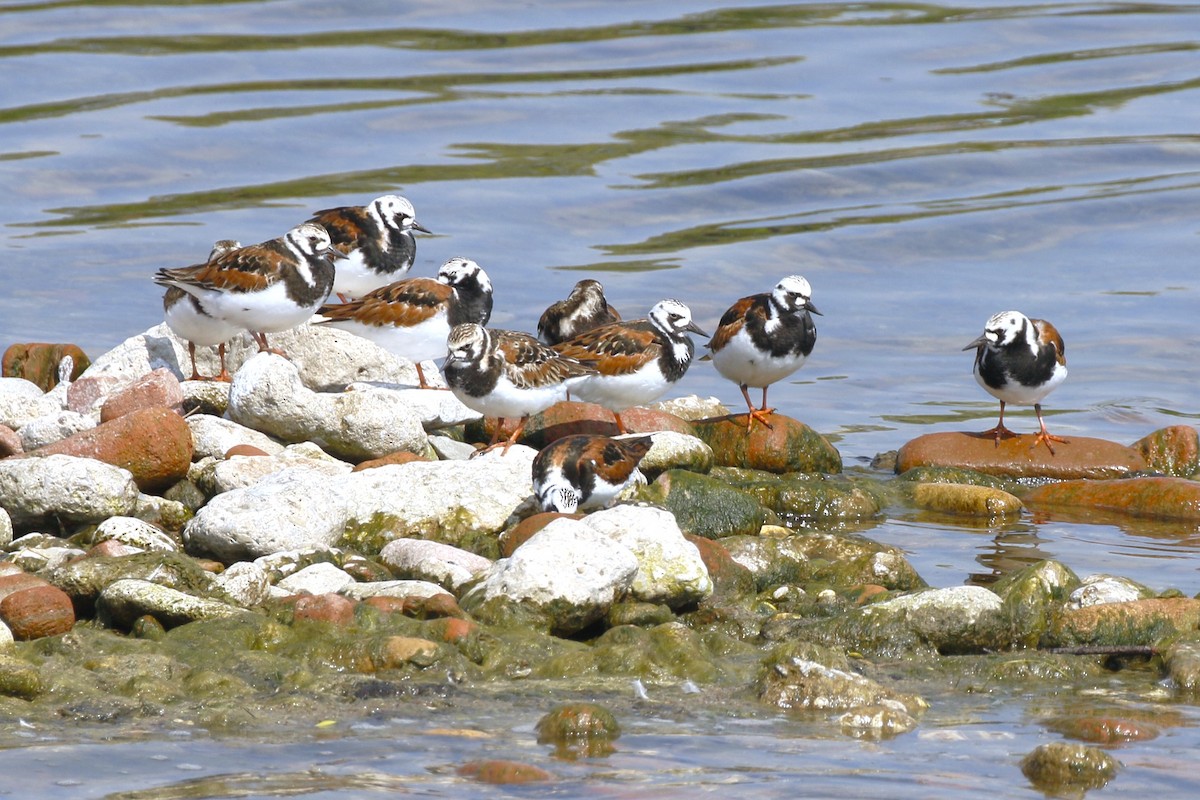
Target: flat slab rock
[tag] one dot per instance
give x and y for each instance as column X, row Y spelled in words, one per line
column 1080, row 457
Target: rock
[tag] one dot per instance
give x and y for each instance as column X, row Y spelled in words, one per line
column 959, row 619
column 22, row 401
column 17, row 581
column 324, row 607
column 1182, row 662
column 730, row 579
column 399, row 457
column 154, row 444
column 39, row 363
column 798, row 684
column 134, row 533
column 121, row 603
column 293, row 509
column 268, row 395
column 520, row 533
column 809, row 497
column 210, row 398
column 396, row 652
column 17, row 678
column 963, row 499
column 579, row 730
column 321, row 578
column 672, row 450
column 246, row 583
column 670, row 570
column 72, row 489
column 84, row 579
column 692, row 407
column 1154, row 498
column 570, row 418
column 239, row 472
column 782, row 556
column 568, row 574
column 788, row 446
column 503, row 772
column 1172, row 451
column 6, row 528
column 215, row 437
column 877, row 721
column 1081, row 457
column 10, row 442
column 1030, row 594
column 47, row 430
column 418, row 590
column 1136, row 623
column 1098, row 589
column 1062, row 768
column 435, row 408
column 705, row 506
column 435, row 562
column 37, row 611
column 328, row 359
column 1101, row 729
column 156, row 389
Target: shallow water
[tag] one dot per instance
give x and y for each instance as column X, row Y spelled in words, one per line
column 923, row 165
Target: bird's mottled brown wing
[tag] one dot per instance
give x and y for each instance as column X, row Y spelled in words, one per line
column 731, row 322
column 402, row 304
column 616, row 349
column 248, row 269
column 528, row 362
column 347, row 226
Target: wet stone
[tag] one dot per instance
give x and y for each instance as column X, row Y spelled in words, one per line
column 788, row 446
column 579, row 730
column 1152, row 498
column 1172, row 451
column 1136, row 623
column 705, row 506
column 1102, row 729
column 503, row 772
column 967, row 500
column 1015, row 457
column 1060, row 767
column 37, row 611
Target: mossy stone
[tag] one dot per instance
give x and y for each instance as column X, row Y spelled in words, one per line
column 704, row 506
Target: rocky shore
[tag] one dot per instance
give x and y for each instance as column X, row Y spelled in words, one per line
column 319, row 529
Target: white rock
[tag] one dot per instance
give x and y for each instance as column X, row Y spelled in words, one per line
column 568, row 571
column 295, row 509
column 1100, row 589
column 70, row 488
column 327, row 358
column 434, row 407
column 693, row 407
column 670, row 570
column 421, row 589
column 322, row 578
column 135, row 533
column 267, row 395
column 245, row 582
column 442, row 501
column 124, row 601
column 6, row 529
column 448, row 449
column 946, row 614
column 22, row 401
column 214, row 436
column 6, row 636
column 36, row 559
column 433, row 561
column 672, row 450
column 241, row 471
column 54, row 427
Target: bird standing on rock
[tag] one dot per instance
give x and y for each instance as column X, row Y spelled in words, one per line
column 636, row 361
column 764, row 338
column 1019, row 360
column 377, row 240
column 188, row 320
column 264, row 288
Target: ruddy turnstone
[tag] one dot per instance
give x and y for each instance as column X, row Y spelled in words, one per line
column 413, row 317
column 764, row 338
column 188, row 320
column 583, row 309
column 507, row 374
column 586, row 471
column 377, row 240
column 636, row 360
column 1019, row 360
column 263, row 288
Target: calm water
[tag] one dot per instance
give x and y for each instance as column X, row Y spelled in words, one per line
column 923, row 165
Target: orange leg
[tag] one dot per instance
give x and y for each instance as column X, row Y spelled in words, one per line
column 263, row 347
column 1000, row 432
column 759, row 414
column 1044, row 436
column 620, row 424
column 192, row 353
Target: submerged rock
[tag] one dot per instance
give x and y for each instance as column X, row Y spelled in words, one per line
column 1154, row 498
column 798, row 684
column 1081, row 457
column 783, row 556
column 967, row 500
column 1031, row 594
column 1060, row 767
column 579, row 730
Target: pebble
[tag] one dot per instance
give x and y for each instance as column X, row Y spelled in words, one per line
column 317, row 579
column 37, row 611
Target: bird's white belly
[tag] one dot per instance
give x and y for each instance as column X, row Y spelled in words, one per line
column 268, row 311
column 352, row 278
column 190, row 325
column 741, row 362
column 619, row 392
column 508, row 400
column 1016, row 394
column 424, row 341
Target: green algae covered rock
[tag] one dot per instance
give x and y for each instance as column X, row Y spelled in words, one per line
column 1153, row 498
column 1136, row 623
column 784, row 556
column 787, row 446
column 966, row 500
column 1030, row 594
column 1063, row 768
column 798, row 497
column 704, row 506
column 579, row 729
column 1172, row 451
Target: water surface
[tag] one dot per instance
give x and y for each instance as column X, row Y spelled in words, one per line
column 923, row 165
